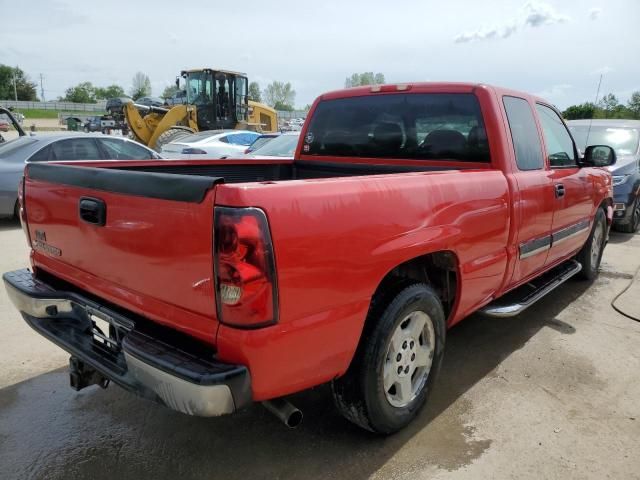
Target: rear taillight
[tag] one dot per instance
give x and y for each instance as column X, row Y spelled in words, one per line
column 22, row 211
column 246, row 290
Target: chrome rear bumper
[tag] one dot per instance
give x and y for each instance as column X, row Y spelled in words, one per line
column 188, row 380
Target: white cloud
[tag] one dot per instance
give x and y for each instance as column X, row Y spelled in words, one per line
column 486, row 34
column 534, row 14
column 539, row 14
column 555, row 91
column 594, row 13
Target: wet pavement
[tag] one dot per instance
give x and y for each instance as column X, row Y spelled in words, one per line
column 550, row 394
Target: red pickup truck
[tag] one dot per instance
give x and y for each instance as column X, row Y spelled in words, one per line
column 209, row 285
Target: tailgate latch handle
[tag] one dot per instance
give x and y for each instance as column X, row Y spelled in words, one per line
column 93, row 211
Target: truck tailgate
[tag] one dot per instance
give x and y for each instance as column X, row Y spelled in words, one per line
column 152, row 251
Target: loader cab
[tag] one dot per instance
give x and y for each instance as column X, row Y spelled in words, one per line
column 220, row 97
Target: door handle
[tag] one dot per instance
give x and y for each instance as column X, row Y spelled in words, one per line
column 559, row 190
column 93, row 210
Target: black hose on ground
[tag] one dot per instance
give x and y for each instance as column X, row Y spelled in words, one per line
column 620, row 294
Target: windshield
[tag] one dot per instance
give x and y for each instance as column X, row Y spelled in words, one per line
column 623, row 140
column 403, row 126
column 199, row 88
column 282, row 146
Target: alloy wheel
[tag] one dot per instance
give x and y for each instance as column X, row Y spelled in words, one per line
column 409, row 358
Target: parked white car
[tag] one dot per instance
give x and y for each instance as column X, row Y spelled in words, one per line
column 283, row 146
column 210, row 144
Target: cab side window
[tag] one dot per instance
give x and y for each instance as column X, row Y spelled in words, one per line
column 559, row 144
column 524, row 133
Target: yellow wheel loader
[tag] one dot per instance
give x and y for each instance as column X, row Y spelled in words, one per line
column 216, row 99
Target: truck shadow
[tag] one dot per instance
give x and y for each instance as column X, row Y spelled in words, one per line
column 8, row 224
column 619, row 237
column 49, row 431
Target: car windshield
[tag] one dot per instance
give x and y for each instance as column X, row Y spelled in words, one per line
column 623, row 140
column 10, row 147
column 403, row 126
column 282, row 146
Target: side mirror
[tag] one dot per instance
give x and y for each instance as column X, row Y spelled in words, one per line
column 599, row 156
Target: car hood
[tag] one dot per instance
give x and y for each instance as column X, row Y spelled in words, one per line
column 624, row 164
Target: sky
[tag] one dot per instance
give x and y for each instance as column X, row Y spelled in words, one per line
column 556, row 49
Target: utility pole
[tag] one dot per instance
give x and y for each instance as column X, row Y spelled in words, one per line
column 15, row 84
column 41, row 89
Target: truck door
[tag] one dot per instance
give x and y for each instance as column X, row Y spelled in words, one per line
column 573, row 204
column 534, row 198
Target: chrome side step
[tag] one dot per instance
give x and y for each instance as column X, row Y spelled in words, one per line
column 517, row 301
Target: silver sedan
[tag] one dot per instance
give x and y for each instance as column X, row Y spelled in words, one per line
column 59, row 146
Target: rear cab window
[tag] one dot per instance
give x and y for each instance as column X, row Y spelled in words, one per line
column 415, row 126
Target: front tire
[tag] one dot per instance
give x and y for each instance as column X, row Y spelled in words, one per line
column 591, row 253
column 396, row 363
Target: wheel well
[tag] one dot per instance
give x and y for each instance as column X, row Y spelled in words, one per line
column 439, row 270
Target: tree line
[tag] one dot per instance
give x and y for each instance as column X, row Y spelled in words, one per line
column 277, row 94
column 607, row 107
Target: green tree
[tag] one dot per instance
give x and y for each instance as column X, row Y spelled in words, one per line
column 608, row 103
column 140, row 86
column 281, row 94
column 84, row 92
column 254, row 92
column 577, row 112
column 25, row 88
column 363, row 79
column 634, row 105
column 169, row 91
column 112, row 91
column 283, row 107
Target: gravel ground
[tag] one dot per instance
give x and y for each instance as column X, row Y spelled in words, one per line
column 552, row 393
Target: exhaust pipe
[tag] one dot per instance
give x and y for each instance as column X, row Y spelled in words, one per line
column 287, row 413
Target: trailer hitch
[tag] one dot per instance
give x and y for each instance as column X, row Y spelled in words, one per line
column 81, row 375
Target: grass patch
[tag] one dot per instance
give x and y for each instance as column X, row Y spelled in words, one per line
column 41, row 113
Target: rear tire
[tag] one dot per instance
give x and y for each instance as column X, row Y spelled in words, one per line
column 396, row 363
column 169, row 136
column 634, row 223
column 591, row 253
column 16, row 211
